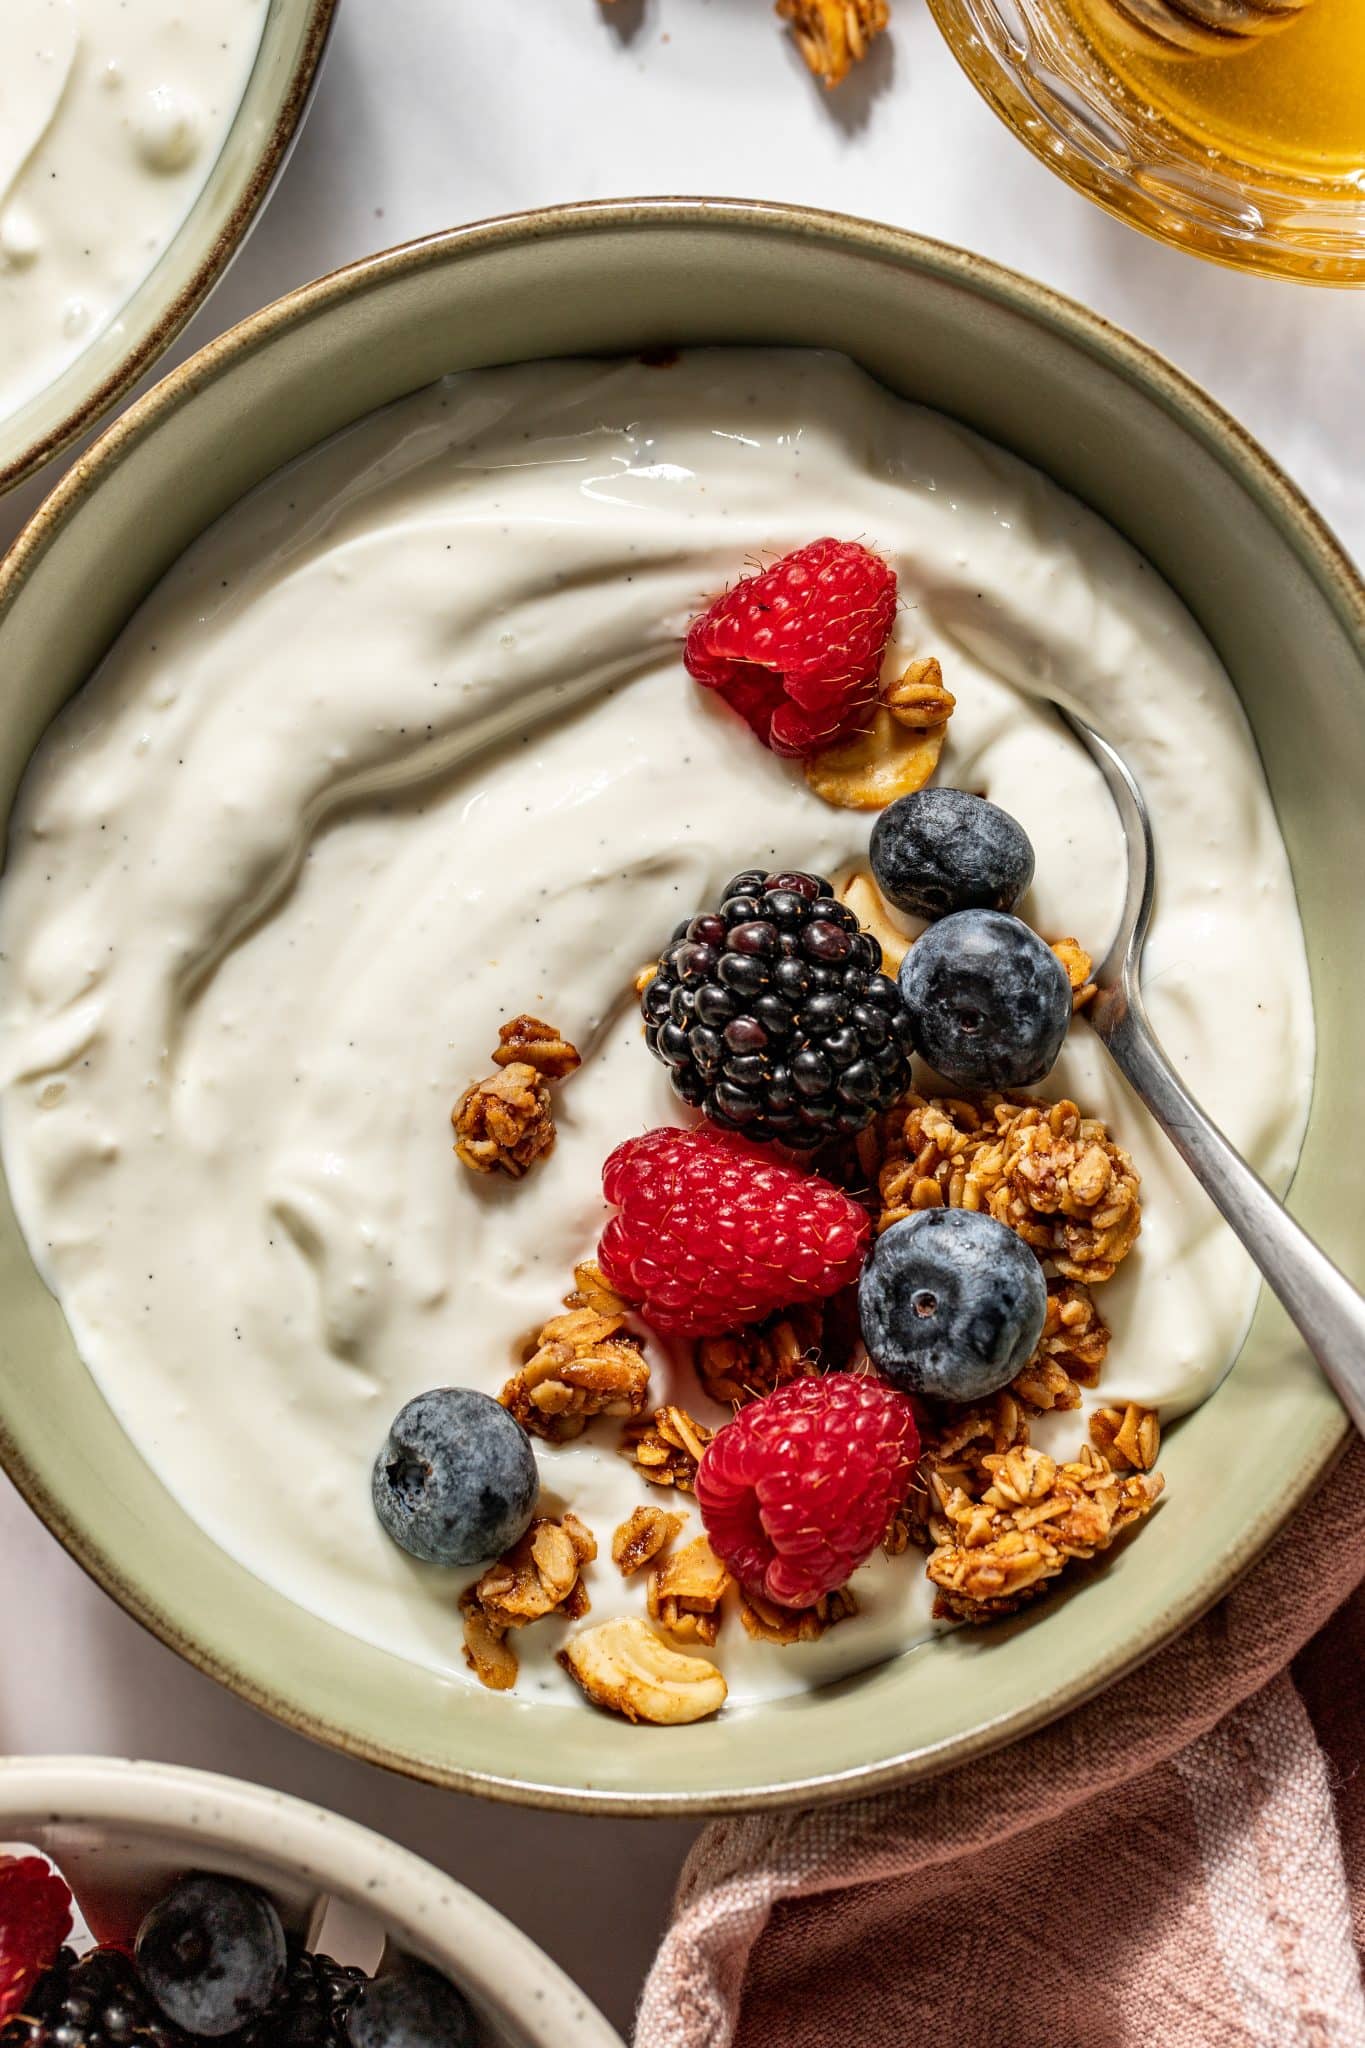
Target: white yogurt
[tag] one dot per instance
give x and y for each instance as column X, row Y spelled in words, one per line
column 112, row 114
column 404, row 746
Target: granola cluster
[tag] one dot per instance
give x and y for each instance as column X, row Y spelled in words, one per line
column 796, row 1343
column 1000, row 1537
column 505, row 1122
column 666, row 1448
column 541, row 1574
column 578, row 1365
column 1052, row 1175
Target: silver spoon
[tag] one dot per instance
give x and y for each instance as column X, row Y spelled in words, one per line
column 1328, row 1311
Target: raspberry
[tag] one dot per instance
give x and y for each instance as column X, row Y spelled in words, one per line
column 35, row 1919
column 797, row 649
column 800, row 1488
column 713, row 1234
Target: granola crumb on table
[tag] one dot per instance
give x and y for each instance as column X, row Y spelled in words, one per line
column 833, row 35
column 541, row 1574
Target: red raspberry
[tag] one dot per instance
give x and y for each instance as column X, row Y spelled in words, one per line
column 35, row 1919
column 800, row 1488
column 797, row 649
column 714, row 1234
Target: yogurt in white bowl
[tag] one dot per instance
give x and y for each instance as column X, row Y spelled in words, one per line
column 402, row 748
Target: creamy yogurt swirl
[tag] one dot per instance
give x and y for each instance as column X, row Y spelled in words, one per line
column 112, row 114
column 404, row 746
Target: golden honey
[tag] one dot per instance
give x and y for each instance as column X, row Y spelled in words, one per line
column 1292, row 102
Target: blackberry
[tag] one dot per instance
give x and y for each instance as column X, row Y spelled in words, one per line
column 312, row 2008
column 773, row 1016
column 98, row 2002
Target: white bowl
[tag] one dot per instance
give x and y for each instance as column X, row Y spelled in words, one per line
column 122, row 1833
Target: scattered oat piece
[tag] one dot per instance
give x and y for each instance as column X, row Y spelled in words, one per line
column 1078, row 965
column 873, row 768
column 667, row 1448
column 833, row 35
column 1071, row 1350
column 768, row 1623
column 1128, row 1437
column 625, row 1667
column 920, row 698
column 536, row 1045
column 541, row 1574
column 581, row 1364
column 864, row 899
column 505, row 1122
column 1052, row 1175
column 685, row 1592
column 642, row 1536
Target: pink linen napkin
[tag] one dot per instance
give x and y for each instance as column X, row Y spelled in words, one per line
column 1178, row 1862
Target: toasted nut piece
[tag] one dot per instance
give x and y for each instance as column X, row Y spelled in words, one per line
column 919, row 698
column 538, row 1046
column 864, row 899
column 645, row 976
column 487, row 1651
column 590, row 1290
column 642, row 1536
column 624, row 1666
column 873, row 768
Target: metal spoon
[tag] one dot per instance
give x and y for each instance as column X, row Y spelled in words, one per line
column 1328, row 1311
column 1200, row 28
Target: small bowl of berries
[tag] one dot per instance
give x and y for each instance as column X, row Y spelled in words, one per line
column 141, row 1903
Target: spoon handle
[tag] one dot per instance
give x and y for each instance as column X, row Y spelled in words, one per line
column 1328, row 1311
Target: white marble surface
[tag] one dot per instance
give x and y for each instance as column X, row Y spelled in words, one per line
column 433, row 112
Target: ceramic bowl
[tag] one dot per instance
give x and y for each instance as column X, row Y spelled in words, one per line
column 1109, row 421
column 254, row 152
column 123, row 1833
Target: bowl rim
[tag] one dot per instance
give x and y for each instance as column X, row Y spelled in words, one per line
column 488, row 1952
column 229, row 235
column 1121, row 196
column 1300, row 527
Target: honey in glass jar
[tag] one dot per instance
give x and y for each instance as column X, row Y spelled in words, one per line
column 1292, row 101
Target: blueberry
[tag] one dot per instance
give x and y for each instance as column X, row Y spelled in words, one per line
column 952, row 1304
column 988, row 1002
column 212, row 1954
column 456, row 1481
column 410, row 2007
column 941, row 850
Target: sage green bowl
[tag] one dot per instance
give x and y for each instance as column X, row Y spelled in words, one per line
column 253, row 154
column 1109, row 421
column 123, row 1833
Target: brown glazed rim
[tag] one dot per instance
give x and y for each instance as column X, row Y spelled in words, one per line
column 1304, row 532
column 226, row 243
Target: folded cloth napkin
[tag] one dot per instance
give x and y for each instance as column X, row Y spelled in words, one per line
column 1177, row 1862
